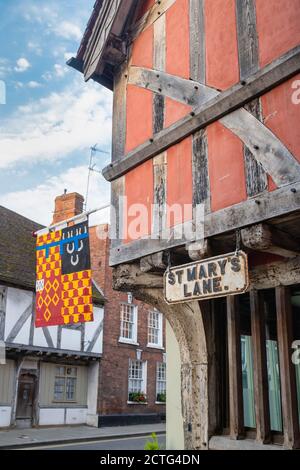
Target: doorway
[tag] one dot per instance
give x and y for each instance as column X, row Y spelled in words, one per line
column 25, row 400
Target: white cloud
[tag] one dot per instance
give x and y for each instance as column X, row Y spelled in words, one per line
column 57, row 125
column 18, row 85
column 68, row 30
column 34, row 84
column 35, row 47
column 38, row 203
column 5, row 68
column 60, row 70
column 22, row 65
column 47, row 76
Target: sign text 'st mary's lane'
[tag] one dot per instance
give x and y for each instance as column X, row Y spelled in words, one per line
column 214, row 277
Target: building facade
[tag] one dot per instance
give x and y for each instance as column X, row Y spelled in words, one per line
column 206, row 141
column 48, row 376
column 133, row 367
column 109, row 371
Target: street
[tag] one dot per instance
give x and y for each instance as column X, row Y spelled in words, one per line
column 131, row 443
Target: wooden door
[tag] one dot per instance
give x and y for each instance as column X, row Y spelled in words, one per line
column 25, row 397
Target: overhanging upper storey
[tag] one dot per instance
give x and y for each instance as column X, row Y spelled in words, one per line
column 104, row 42
column 205, row 119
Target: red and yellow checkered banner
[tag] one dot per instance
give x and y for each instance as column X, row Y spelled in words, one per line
column 64, row 282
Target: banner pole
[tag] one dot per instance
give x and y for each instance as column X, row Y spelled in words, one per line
column 71, row 219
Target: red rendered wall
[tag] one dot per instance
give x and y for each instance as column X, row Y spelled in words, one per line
column 179, row 181
column 226, row 167
column 282, row 117
column 177, row 54
column 139, row 101
column 139, row 190
column 278, row 26
column 222, row 69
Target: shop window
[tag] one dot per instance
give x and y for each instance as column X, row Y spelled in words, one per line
column 65, row 384
column 258, row 374
column 247, row 362
column 295, row 301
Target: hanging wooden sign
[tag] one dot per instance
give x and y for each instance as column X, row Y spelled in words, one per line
column 214, row 277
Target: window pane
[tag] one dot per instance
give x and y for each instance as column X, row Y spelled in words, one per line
column 274, row 386
column 273, row 361
column 135, row 377
column 295, row 300
column 247, row 362
column 154, row 328
column 71, row 389
column 161, row 382
column 59, row 389
column 127, row 321
column 247, row 377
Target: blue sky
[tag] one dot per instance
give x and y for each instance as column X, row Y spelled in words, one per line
column 51, row 117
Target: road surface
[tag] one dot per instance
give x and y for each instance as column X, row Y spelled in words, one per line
column 131, row 443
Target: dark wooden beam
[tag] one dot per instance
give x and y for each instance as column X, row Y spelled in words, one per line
column 159, row 63
column 265, row 238
column 258, row 84
column 287, row 369
column 260, row 373
column 39, row 350
column 280, row 273
column 266, row 206
column 159, row 215
column 77, row 64
column 264, row 151
column 236, row 412
column 256, row 178
column 3, row 299
column 119, row 113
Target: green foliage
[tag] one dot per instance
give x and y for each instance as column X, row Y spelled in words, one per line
column 152, row 444
column 138, row 397
column 161, row 397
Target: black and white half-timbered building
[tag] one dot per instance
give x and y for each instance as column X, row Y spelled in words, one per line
column 48, row 376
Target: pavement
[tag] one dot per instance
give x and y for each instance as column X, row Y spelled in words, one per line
column 21, row 438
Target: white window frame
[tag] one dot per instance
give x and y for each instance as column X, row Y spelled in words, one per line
column 158, row 345
column 157, row 380
column 132, row 340
column 65, row 376
column 144, row 381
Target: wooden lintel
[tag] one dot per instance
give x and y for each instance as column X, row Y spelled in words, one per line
column 262, row 237
column 280, row 202
column 225, row 103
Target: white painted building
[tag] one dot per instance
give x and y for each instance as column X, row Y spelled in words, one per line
column 48, row 376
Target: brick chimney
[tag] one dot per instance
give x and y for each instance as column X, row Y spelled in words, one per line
column 66, row 206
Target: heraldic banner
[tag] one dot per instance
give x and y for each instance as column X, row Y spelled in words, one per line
column 64, row 282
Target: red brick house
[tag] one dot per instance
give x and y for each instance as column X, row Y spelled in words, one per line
column 132, row 379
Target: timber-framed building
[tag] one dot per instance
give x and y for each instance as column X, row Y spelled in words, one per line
column 206, row 114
